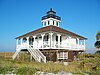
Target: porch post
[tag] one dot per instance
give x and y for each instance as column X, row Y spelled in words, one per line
column 84, row 44
column 43, row 24
column 34, row 44
column 27, row 42
column 51, row 39
column 17, row 43
column 57, row 55
column 21, row 41
column 42, row 39
column 37, row 41
column 77, row 42
column 58, row 40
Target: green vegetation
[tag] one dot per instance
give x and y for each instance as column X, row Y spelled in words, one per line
column 98, row 35
column 97, row 52
column 87, row 63
column 97, row 43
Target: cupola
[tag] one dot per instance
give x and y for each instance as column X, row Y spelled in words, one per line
column 51, row 19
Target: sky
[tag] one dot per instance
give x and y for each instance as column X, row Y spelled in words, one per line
column 18, row 17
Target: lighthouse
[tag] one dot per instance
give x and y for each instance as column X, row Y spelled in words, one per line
column 51, row 19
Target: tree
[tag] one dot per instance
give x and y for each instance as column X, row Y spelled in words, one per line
column 97, row 52
column 97, row 43
column 98, row 36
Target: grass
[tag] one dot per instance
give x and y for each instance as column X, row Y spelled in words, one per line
column 26, row 67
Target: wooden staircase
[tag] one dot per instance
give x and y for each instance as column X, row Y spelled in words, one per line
column 35, row 53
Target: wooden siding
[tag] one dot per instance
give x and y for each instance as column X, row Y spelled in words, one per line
column 51, row 55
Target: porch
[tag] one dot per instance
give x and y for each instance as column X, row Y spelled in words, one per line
column 51, row 41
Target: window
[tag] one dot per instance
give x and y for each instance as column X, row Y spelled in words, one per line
column 44, row 23
column 53, row 22
column 63, row 55
column 30, row 41
column 24, row 40
column 48, row 22
column 57, row 38
column 46, row 38
column 60, row 38
column 57, row 23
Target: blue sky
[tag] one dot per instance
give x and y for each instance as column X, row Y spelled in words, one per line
column 18, row 17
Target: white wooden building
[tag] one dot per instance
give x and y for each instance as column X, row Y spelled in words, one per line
column 51, row 43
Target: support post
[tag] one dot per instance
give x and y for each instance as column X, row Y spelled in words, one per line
column 42, row 39
column 51, row 40
column 27, row 42
column 57, row 55
column 77, row 42
column 17, row 43
column 37, row 42
column 21, row 42
column 58, row 40
column 34, row 44
column 84, row 44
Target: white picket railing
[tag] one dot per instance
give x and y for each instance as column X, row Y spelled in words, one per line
column 55, row 45
column 33, row 54
column 42, row 56
column 37, row 54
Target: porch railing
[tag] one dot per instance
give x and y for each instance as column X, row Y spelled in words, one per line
column 55, row 45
